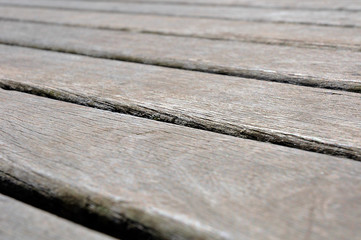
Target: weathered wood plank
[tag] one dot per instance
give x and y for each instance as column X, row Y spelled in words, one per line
column 322, row 17
column 181, row 182
column 345, row 5
column 19, row 221
column 329, row 68
column 268, row 33
column 308, row 118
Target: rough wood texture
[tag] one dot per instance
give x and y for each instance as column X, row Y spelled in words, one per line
column 268, row 33
column 308, row 118
column 344, row 5
column 329, row 68
column 183, row 183
column 19, row 221
column 322, row 17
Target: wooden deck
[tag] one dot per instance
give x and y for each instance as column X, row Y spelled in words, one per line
column 180, row 119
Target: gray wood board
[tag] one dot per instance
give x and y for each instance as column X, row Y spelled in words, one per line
column 322, row 17
column 309, row 118
column 337, row 5
column 181, row 182
column 268, row 33
column 331, row 68
column 19, row 221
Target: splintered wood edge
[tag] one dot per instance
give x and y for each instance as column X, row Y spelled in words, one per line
column 197, row 123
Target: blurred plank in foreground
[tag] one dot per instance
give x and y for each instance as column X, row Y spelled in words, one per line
column 19, row 221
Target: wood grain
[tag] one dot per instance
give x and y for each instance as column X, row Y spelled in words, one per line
column 345, row 5
column 322, row 17
column 308, row 118
column 267, row 33
column 335, row 69
column 183, row 183
column 19, row 221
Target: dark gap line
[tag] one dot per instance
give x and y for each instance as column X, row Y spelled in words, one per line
column 74, row 208
column 287, row 140
column 181, row 3
column 264, row 41
column 185, row 16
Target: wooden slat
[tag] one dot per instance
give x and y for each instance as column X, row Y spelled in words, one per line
column 345, row 5
column 180, row 182
column 324, row 17
column 312, row 67
column 19, row 221
column 269, row 33
column 308, row 118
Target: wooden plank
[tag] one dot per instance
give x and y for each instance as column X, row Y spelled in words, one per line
column 308, row 118
column 180, row 182
column 345, row 5
column 268, row 33
column 329, row 68
column 322, row 17
column 19, row 221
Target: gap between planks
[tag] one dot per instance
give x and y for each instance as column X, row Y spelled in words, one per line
column 68, row 205
column 20, row 221
column 279, row 138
